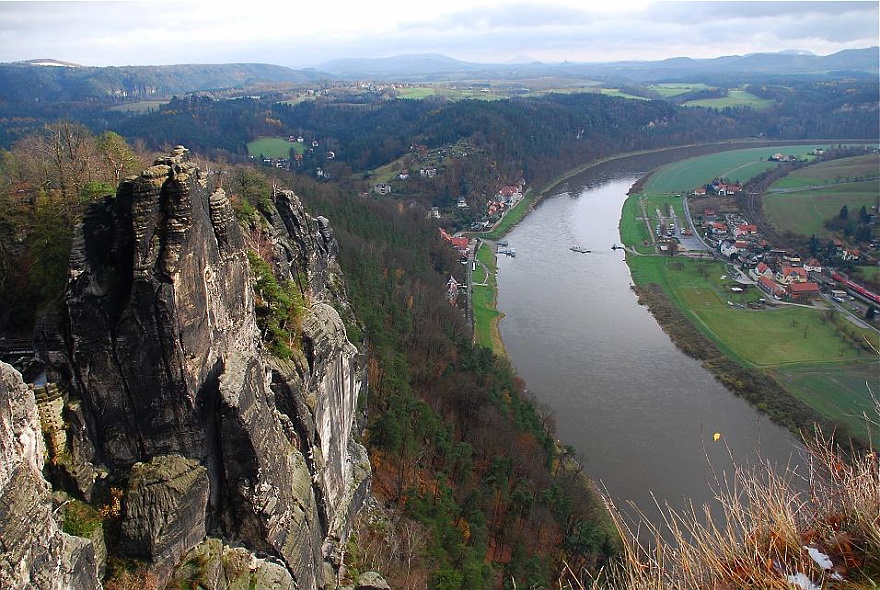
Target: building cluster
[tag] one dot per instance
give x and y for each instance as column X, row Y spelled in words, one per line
column 505, row 199
column 778, row 273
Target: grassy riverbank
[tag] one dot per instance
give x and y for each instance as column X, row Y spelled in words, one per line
column 483, row 299
column 799, row 364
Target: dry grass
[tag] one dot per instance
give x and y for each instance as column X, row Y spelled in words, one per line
column 779, row 530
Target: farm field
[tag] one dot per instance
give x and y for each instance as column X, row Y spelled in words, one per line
column 805, row 199
column 422, row 92
column 833, row 172
column 141, row 106
column 671, row 90
column 274, row 147
column 736, row 165
column 734, row 98
column 836, row 389
column 805, row 212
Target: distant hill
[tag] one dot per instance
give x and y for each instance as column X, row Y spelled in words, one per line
column 753, row 67
column 57, row 81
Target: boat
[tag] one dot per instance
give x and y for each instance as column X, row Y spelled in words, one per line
column 580, row 249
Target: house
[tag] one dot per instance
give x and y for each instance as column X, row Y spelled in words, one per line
column 462, row 203
column 383, row 188
column 802, row 291
column 435, row 212
column 428, row 172
column 770, row 286
column 791, row 274
column 717, row 228
column 728, row 248
column 452, row 288
column 725, row 190
column 699, row 191
column 709, row 214
column 849, row 254
column 493, row 207
column 762, row 270
column 509, row 193
column 746, row 229
column 813, row 265
column 403, row 175
column 458, row 242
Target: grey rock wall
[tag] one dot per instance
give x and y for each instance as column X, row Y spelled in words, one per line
column 159, row 349
column 34, row 552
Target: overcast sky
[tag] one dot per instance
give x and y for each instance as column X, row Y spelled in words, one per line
column 301, row 33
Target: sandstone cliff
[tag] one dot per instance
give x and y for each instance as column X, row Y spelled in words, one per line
column 34, row 552
column 173, row 391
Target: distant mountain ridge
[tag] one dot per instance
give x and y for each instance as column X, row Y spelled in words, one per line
column 53, row 80
column 786, row 63
column 47, row 80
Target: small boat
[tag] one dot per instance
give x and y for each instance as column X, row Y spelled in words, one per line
column 580, row 249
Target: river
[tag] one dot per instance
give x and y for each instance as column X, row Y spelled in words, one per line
column 641, row 415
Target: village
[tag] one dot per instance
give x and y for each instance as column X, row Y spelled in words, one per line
column 782, row 275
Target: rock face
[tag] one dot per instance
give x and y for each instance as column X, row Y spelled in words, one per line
column 34, row 553
column 164, row 510
column 161, row 350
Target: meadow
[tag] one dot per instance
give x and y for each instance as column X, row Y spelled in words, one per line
column 734, row 98
column 673, row 89
column 738, row 165
column 832, row 172
column 140, row 107
column 804, row 212
column 486, row 316
column 842, row 389
column 804, row 200
column 274, row 147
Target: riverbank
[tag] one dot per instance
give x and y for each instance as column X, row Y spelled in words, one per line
column 752, row 385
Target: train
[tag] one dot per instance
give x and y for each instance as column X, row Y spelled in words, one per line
column 856, row 288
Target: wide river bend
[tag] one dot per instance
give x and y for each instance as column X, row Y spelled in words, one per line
column 640, row 413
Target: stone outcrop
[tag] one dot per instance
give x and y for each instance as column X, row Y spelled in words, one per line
column 160, row 353
column 164, row 510
column 212, row 564
column 34, row 552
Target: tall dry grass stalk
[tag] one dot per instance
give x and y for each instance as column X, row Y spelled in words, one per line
column 777, row 529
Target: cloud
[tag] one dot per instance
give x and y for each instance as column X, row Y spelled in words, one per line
column 306, row 33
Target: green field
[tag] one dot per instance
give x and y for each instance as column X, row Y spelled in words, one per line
column 274, row 147
column 809, row 353
column 837, row 389
column 805, row 212
column 670, row 90
column 417, row 93
column 734, row 98
column 486, row 317
column 456, row 93
column 736, row 165
column 805, row 199
column 833, row 172
column 141, row 106
column 620, row 93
